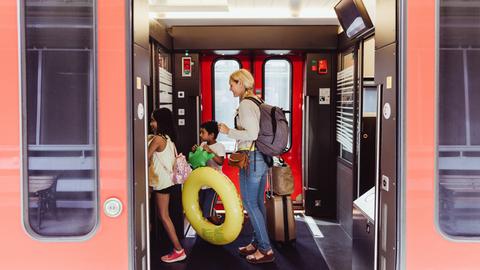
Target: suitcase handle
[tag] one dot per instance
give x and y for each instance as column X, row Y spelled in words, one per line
column 285, row 219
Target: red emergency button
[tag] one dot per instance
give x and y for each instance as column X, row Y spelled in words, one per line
column 322, row 66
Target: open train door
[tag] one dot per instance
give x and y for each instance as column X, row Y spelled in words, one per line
column 71, row 149
column 278, row 80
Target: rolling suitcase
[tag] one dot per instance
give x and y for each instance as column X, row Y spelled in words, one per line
column 280, row 219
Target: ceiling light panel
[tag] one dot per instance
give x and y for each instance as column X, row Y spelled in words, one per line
column 246, row 12
column 164, row 6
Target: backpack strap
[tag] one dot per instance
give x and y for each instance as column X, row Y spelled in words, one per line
column 272, row 115
column 274, row 122
column 256, row 101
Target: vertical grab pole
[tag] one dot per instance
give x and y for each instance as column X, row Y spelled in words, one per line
column 146, row 238
column 305, row 139
column 377, row 169
column 197, row 107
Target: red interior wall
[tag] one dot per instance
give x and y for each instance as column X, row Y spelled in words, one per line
column 206, row 78
column 294, row 156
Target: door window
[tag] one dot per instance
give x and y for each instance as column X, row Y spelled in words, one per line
column 225, row 104
column 59, row 128
column 458, row 119
column 278, row 87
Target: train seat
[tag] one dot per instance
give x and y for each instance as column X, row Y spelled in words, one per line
column 75, row 193
column 41, row 189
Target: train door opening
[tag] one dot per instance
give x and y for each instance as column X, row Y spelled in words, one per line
column 303, row 83
column 336, row 140
column 278, row 80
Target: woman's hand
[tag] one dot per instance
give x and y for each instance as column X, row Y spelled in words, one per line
column 222, row 128
column 194, row 147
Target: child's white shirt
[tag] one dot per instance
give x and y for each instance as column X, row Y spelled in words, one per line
column 219, row 150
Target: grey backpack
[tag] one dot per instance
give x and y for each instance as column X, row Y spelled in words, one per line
column 273, row 135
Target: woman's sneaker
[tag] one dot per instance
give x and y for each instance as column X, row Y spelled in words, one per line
column 174, row 256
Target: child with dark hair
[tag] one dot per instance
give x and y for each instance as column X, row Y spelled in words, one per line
column 161, row 155
column 208, row 138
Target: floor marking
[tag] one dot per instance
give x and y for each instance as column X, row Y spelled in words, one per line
column 190, row 233
column 312, row 225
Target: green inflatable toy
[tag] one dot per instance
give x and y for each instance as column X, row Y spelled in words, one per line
column 199, row 158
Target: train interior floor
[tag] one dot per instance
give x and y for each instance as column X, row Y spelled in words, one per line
column 319, row 245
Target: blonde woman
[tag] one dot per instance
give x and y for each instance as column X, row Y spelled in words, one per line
column 253, row 178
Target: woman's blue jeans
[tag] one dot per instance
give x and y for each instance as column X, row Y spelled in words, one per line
column 252, row 188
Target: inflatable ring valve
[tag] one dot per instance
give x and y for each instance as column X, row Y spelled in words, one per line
column 229, row 230
column 199, row 158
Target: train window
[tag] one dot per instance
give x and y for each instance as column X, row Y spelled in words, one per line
column 278, row 87
column 458, row 125
column 59, row 143
column 224, row 102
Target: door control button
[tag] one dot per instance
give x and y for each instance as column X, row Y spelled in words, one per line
column 112, row 207
column 140, row 111
column 385, row 182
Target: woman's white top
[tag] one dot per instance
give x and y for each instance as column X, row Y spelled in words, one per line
column 248, row 124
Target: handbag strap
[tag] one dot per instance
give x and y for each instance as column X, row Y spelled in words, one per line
column 249, row 149
column 251, row 146
column 270, row 183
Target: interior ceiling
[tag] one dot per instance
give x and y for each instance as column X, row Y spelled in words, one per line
column 244, row 12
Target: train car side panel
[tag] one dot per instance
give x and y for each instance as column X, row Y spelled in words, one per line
column 95, row 251
column 425, row 246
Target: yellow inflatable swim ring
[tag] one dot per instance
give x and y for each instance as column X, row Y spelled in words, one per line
column 230, row 229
